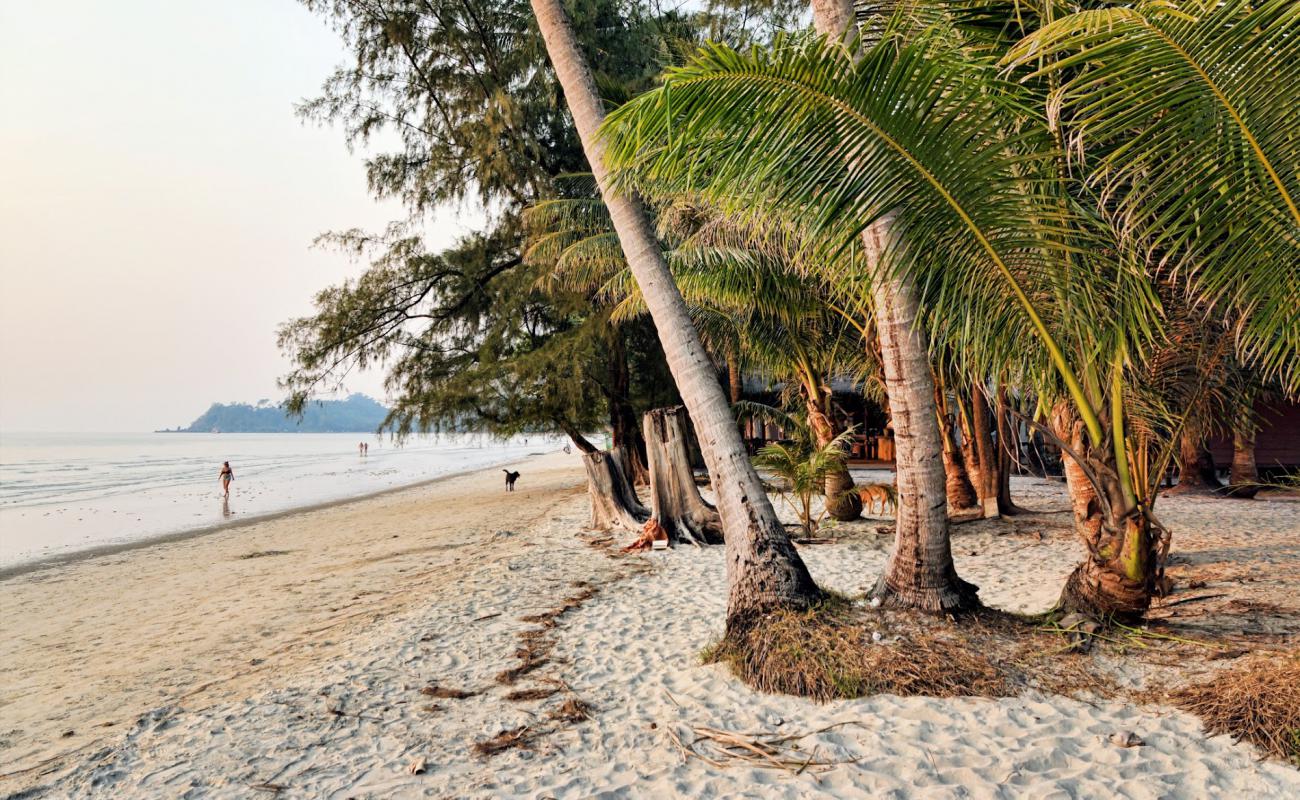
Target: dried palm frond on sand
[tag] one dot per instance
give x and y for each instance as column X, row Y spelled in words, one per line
column 1257, row 700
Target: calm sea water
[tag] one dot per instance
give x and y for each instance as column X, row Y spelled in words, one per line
column 60, row 493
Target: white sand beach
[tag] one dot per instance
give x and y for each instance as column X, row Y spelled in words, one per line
column 287, row 658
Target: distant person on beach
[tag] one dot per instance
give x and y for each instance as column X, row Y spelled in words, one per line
column 361, row 448
column 227, row 475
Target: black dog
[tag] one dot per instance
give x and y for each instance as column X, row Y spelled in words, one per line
column 511, row 477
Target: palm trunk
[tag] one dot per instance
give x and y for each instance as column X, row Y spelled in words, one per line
column 1117, row 577
column 1008, row 454
column 842, row 500
column 1195, row 465
column 960, row 491
column 986, row 474
column 1243, row 479
column 920, row 572
column 764, row 572
column 734, row 385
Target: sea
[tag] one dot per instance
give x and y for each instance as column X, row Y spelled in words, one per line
column 63, row 493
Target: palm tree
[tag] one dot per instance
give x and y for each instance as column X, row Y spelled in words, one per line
column 920, row 571
column 1057, row 289
column 747, row 294
column 764, row 571
column 803, row 466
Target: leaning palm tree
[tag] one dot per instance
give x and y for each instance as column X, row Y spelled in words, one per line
column 1054, row 287
column 764, row 571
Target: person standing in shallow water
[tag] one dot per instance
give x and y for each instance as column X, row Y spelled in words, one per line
column 227, row 475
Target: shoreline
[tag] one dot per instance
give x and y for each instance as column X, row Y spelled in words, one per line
column 95, row 645
column 11, row 571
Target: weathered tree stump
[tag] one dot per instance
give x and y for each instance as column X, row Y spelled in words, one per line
column 614, row 506
column 675, row 500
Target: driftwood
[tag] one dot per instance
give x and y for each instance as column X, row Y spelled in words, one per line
column 614, row 505
column 675, row 500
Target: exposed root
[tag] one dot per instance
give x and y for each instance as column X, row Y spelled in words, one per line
column 1257, row 700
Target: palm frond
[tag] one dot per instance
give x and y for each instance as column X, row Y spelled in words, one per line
column 1184, row 117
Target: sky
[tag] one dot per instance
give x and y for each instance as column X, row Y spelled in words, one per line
column 158, row 201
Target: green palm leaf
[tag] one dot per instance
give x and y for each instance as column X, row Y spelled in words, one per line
column 1186, row 120
column 906, row 129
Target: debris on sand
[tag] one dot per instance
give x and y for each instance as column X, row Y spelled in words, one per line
column 522, row 695
column 503, row 741
column 573, row 710
column 513, row 674
column 1126, row 739
column 434, row 690
column 1257, row 700
column 264, row 554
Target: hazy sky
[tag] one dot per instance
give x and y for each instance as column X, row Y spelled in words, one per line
column 158, row 199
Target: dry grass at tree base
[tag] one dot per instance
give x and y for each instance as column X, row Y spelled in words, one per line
column 1257, row 700
column 842, row 651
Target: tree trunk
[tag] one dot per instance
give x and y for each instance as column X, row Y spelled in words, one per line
column 1008, row 454
column 734, row 385
column 614, row 506
column 920, row 572
column 1117, row 578
column 985, row 476
column 764, row 572
column 675, row 500
column 961, row 494
column 579, row 441
column 1083, row 498
column 842, row 500
column 625, row 433
column 1243, row 479
column 1195, row 466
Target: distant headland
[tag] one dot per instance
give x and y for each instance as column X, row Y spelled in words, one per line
column 357, row 414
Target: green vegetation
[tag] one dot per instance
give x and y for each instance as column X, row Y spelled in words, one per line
column 1080, row 217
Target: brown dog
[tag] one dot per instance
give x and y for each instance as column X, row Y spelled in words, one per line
column 885, row 493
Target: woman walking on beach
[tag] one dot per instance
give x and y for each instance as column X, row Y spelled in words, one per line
column 227, row 475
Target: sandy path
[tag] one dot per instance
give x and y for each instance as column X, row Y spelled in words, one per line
column 89, row 646
column 347, row 719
